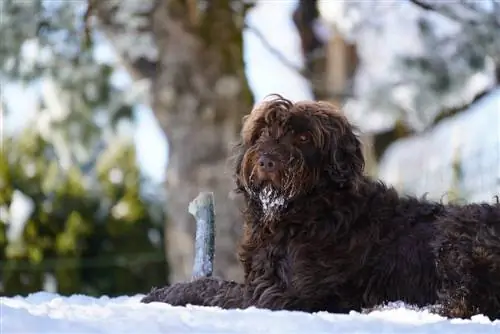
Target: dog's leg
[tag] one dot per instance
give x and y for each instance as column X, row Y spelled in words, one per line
column 454, row 296
column 273, row 297
column 468, row 264
column 276, row 299
column 455, row 302
column 203, row 292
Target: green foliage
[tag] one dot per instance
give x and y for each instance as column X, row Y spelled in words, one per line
column 91, row 228
column 92, row 232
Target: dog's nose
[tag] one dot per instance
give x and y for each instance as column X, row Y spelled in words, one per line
column 267, row 164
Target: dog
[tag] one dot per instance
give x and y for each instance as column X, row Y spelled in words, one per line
column 320, row 235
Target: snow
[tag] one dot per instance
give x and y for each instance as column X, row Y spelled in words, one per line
column 133, row 16
column 271, row 201
column 384, row 31
column 50, row 313
column 17, row 215
column 23, row 100
column 422, row 164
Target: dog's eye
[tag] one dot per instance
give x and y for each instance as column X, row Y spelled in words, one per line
column 303, row 138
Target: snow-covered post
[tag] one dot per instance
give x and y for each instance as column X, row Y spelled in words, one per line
column 202, row 208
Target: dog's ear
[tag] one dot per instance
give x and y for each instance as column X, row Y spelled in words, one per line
column 236, row 162
column 346, row 162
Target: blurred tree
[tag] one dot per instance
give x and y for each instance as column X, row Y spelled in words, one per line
column 188, row 54
column 451, row 60
column 91, row 233
column 44, row 46
column 191, row 53
column 437, row 57
column 314, row 50
column 92, row 227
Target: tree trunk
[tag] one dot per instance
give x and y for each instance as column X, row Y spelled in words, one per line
column 313, row 48
column 199, row 94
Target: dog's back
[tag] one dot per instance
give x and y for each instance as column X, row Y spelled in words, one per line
column 402, row 265
column 432, row 253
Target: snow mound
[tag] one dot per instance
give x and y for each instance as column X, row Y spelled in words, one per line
column 44, row 312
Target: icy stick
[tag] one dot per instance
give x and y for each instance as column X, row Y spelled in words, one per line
column 202, row 209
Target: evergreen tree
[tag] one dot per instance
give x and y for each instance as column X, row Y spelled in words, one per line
column 89, row 233
column 92, row 227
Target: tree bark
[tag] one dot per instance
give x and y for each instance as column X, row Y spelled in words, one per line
column 313, row 49
column 199, row 95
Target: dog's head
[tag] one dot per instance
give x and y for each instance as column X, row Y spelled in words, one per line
column 288, row 150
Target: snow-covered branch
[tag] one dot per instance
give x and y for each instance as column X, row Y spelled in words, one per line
column 418, row 58
column 277, row 53
column 463, row 12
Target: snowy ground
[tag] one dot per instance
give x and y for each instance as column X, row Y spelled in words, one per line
column 49, row 313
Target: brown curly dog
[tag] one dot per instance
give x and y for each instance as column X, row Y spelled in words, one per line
column 321, row 236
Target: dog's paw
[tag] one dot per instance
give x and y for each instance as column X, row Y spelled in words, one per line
column 178, row 294
column 156, row 295
column 197, row 292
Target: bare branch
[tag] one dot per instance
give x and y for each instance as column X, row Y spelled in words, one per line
column 423, row 5
column 281, row 57
column 443, row 11
column 288, row 63
column 86, row 22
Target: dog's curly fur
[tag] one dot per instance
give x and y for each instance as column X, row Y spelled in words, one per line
column 321, row 236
